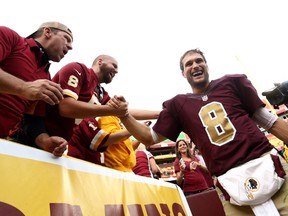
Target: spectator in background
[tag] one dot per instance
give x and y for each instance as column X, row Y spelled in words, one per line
column 25, row 77
column 188, row 169
column 145, row 163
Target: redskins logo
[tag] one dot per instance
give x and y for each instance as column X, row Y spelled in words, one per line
column 251, row 185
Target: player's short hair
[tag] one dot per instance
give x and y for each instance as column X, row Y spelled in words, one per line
column 190, row 52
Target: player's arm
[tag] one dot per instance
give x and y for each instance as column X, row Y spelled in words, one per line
column 41, row 89
column 140, row 131
column 280, row 130
column 140, row 114
column 278, row 127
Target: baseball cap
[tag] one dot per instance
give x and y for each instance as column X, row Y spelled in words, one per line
column 55, row 25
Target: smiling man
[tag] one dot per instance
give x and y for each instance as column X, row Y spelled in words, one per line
column 221, row 117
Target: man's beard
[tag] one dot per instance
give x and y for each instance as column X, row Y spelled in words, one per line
column 106, row 74
column 201, row 84
column 107, row 79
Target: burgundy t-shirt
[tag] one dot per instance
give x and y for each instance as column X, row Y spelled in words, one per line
column 24, row 59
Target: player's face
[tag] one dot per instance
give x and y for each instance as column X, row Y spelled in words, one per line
column 109, row 69
column 196, row 71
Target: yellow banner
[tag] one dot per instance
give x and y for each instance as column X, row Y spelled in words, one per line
column 35, row 183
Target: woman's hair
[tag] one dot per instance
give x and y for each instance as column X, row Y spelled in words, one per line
column 178, row 154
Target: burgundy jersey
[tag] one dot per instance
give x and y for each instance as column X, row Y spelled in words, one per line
column 142, row 166
column 86, row 140
column 78, row 82
column 193, row 180
column 218, row 122
column 24, row 59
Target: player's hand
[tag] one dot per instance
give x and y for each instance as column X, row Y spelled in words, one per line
column 43, row 89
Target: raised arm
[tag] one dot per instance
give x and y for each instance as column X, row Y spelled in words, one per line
column 140, row 131
column 141, row 114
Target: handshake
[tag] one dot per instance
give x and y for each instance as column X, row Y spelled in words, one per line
column 120, row 105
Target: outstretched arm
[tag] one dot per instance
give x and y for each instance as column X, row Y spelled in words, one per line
column 140, row 114
column 140, row 131
column 280, row 130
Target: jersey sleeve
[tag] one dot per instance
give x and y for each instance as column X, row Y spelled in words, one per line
column 169, row 122
column 248, row 94
column 71, row 78
column 89, row 134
